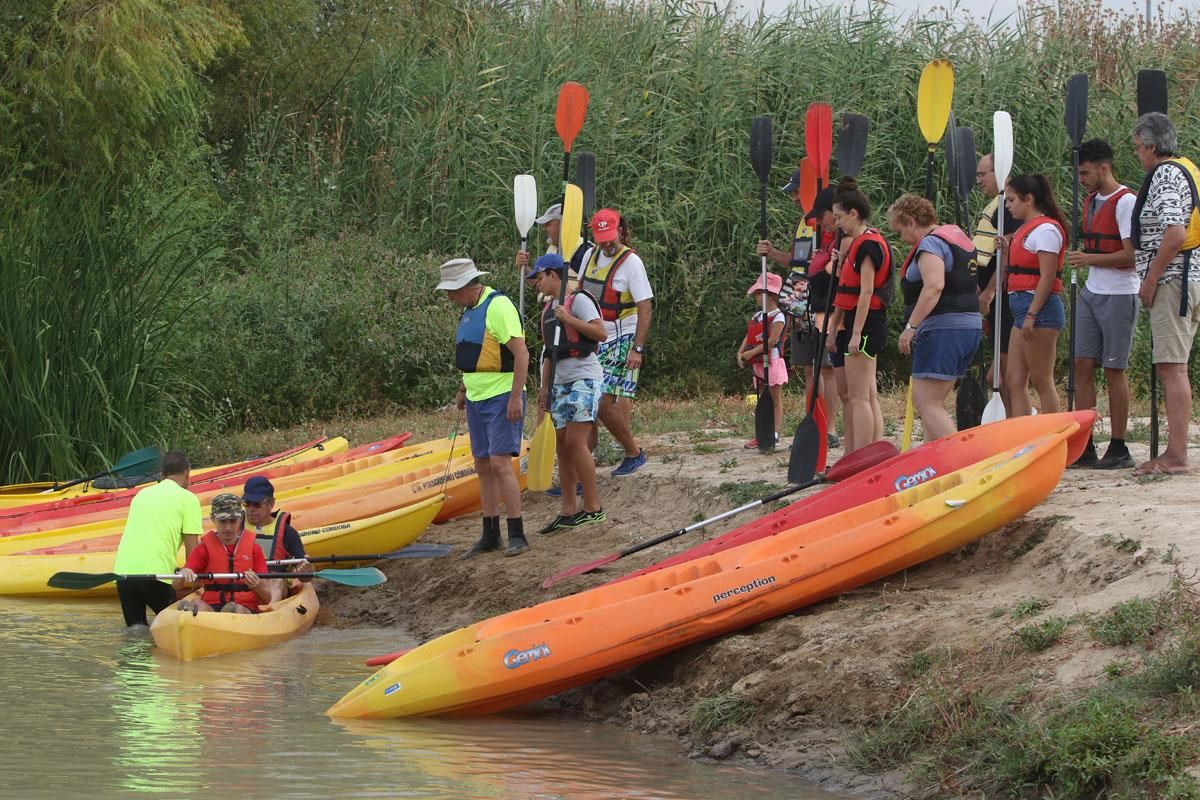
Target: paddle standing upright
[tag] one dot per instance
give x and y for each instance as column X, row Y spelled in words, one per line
column 1002, row 158
column 1152, row 96
column 971, row 396
column 764, row 410
column 525, row 212
column 1076, row 119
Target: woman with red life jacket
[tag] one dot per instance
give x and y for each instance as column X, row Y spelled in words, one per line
column 752, row 350
column 1034, row 262
column 942, row 329
column 574, row 399
column 859, row 315
column 228, row 549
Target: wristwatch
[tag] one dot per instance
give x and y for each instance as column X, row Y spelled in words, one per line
column 637, row 348
column 908, row 326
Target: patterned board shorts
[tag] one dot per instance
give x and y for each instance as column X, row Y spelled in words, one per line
column 577, row 401
column 618, row 380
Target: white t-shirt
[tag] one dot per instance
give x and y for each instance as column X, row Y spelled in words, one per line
column 1110, row 280
column 1045, row 238
column 631, row 277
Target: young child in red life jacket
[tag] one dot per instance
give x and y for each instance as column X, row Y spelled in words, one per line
column 751, row 349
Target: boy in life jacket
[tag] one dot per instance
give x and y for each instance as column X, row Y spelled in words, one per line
column 273, row 530
column 751, row 351
column 574, row 399
column 229, row 548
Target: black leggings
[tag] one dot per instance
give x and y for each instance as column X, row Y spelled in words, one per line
column 137, row 593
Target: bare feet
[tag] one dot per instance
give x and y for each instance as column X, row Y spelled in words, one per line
column 1162, row 466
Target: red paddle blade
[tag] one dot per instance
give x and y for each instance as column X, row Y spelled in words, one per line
column 818, row 137
column 865, row 457
column 569, row 116
column 386, row 658
column 808, row 185
column 822, row 417
column 580, row 569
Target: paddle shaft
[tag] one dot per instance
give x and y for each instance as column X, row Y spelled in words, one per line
column 1152, row 96
column 1074, row 280
column 999, row 275
column 765, row 410
column 431, row 552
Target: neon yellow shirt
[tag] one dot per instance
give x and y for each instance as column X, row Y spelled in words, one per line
column 159, row 517
column 503, row 323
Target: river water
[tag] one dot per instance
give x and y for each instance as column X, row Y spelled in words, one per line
column 90, row 711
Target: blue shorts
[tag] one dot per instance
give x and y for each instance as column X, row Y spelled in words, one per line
column 944, row 354
column 1051, row 314
column 491, row 432
column 577, row 401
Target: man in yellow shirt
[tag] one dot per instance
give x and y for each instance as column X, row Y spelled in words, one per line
column 161, row 518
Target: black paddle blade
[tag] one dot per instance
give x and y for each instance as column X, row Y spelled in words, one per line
column 806, row 445
column 852, row 145
column 969, row 402
column 1077, row 106
column 964, row 146
column 585, row 177
column 1151, row 91
column 80, row 580
column 760, row 147
column 952, row 162
column 764, row 420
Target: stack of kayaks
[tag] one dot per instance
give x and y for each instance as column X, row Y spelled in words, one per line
column 535, row 652
column 187, row 636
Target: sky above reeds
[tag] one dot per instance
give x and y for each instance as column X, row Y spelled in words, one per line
column 995, row 10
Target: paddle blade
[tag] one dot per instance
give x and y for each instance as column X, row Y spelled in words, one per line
column 1002, row 143
column 1151, row 91
column 139, row 462
column 387, row 658
column 852, row 144
column 580, row 569
column 808, row 185
column 965, row 152
column 420, row 551
column 760, row 147
column 570, row 234
column 994, row 410
column 541, row 456
column 364, row 576
column 818, row 138
column 821, row 414
column 969, row 402
column 524, row 203
column 865, row 457
column 952, row 160
column 806, row 449
column 80, row 580
column 570, row 113
column 764, row 420
column 585, row 176
column 906, row 437
column 1077, row 106
column 935, row 93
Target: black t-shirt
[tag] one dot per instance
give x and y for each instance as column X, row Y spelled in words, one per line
column 984, row 272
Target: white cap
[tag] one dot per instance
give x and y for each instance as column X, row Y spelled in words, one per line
column 552, row 213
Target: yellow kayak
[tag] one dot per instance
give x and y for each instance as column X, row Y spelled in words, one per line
column 187, row 636
column 27, row 575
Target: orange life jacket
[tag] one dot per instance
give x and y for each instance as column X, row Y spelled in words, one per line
column 1023, row 269
column 218, row 592
column 851, row 280
column 1101, row 233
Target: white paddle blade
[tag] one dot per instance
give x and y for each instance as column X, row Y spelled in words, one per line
column 994, row 410
column 524, row 202
column 1002, row 142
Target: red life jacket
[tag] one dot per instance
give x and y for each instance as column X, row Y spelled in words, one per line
column 959, row 292
column 272, row 544
column 218, row 593
column 754, row 333
column 598, row 282
column 1101, row 233
column 571, row 343
column 851, row 279
column 1023, row 270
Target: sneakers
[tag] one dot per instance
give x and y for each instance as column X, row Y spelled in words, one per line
column 1088, row 459
column 589, row 517
column 577, row 520
column 628, row 465
column 832, row 441
column 1115, row 460
column 751, row 445
column 556, row 491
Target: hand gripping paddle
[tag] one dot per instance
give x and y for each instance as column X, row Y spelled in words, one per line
column 764, row 410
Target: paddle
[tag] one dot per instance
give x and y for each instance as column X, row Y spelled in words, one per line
column 568, row 119
column 850, row 464
column 585, row 177
column 808, row 199
column 764, row 410
column 1076, row 119
column 852, row 144
column 971, row 397
column 525, row 212
column 935, row 93
column 143, row 462
column 952, row 165
column 1002, row 158
column 364, row 576
column 412, row 551
column 810, row 443
column 1152, row 96
column 540, row 472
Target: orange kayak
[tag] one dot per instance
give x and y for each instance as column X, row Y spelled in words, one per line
column 535, row 652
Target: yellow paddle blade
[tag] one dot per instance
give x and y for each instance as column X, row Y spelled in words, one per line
column 572, row 222
column 541, row 457
column 934, row 95
column 906, row 437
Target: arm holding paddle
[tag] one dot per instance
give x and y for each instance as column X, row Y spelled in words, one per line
column 780, row 257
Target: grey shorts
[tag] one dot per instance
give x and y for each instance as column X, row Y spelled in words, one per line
column 804, row 347
column 1104, row 327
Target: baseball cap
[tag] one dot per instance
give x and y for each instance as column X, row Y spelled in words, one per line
column 257, row 489
column 604, row 225
column 793, row 184
column 549, row 262
column 227, row 506
column 552, row 213
column 823, row 203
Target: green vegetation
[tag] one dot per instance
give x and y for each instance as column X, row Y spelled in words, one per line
column 742, row 492
column 720, row 711
column 1041, row 635
column 1127, row 623
column 228, row 214
column 1030, row 608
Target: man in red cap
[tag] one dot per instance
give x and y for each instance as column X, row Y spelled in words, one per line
column 616, row 277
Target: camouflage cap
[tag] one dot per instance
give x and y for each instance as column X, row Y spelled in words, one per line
column 227, row 506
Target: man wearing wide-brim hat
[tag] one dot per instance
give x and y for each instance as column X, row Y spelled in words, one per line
column 490, row 350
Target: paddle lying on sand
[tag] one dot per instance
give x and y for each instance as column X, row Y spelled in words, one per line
column 1002, row 158
column 1152, row 96
column 525, row 211
column 971, row 396
column 764, row 409
column 935, row 93
column 810, row 443
column 1076, row 119
column 412, row 551
column 364, row 576
column 850, row 464
column 139, row 463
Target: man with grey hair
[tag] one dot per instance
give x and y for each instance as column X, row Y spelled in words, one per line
column 1165, row 232
column 490, row 351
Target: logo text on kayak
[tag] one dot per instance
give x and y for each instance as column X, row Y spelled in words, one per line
column 745, row 588
column 916, row 479
column 519, row 658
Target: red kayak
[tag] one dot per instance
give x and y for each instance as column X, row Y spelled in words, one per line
column 900, row 472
